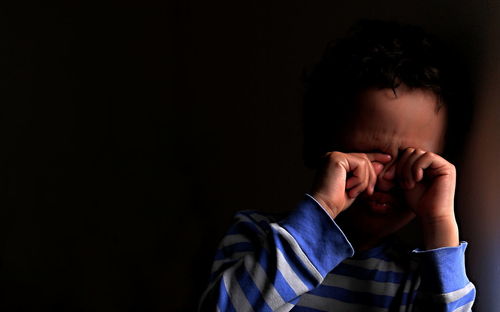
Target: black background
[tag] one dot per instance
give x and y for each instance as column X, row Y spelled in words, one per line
column 132, row 131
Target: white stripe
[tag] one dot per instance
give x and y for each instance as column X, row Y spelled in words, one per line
column 259, row 276
column 354, row 284
column 334, row 305
column 238, row 238
column 265, row 286
column 227, row 241
column 213, row 283
column 412, row 285
column 236, row 295
column 241, row 218
column 298, row 251
column 407, row 308
column 447, row 297
column 465, row 308
column 457, row 294
column 289, row 274
column 237, row 255
column 285, row 308
column 259, row 217
column 375, row 264
column 232, row 239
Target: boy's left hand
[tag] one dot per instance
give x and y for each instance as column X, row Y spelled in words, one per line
column 428, row 181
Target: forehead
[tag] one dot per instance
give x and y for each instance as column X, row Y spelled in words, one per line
column 389, row 122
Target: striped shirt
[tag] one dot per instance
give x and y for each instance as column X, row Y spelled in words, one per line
column 304, row 262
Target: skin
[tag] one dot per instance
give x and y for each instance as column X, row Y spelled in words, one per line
column 389, row 170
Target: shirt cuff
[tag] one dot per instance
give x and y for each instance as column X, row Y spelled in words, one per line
column 442, row 269
column 318, row 235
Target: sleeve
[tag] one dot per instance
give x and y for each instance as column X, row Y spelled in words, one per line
column 444, row 285
column 266, row 266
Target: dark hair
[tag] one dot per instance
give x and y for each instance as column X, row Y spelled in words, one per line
column 381, row 54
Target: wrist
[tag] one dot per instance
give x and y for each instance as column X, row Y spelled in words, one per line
column 439, row 232
column 326, row 205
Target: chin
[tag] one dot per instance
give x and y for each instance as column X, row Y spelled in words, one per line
column 378, row 220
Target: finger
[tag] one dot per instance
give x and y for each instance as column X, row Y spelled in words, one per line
column 370, row 177
column 412, row 171
column 408, row 169
column 379, row 157
column 351, row 182
column 373, row 176
column 401, row 166
column 377, row 167
column 354, row 192
column 362, row 173
column 390, row 172
column 354, row 168
column 433, row 165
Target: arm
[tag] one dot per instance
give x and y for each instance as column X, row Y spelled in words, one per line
column 266, row 266
column 429, row 181
column 444, row 284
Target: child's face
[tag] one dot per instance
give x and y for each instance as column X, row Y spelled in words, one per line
column 389, row 124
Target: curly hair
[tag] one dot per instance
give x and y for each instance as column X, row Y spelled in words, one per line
column 381, row 54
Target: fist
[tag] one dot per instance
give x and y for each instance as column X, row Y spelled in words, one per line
column 428, row 181
column 344, row 176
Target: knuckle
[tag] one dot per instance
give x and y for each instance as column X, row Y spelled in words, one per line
column 364, row 185
column 334, row 156
column 409, row 150
column 415, row 165
column 358, row 156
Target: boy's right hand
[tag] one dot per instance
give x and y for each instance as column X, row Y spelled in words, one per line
column 344, row 176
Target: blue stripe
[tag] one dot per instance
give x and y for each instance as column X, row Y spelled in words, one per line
column 383, row 251
column 365, row 274
column 409, row 298
column 380, row 256
column 425, row 301
column 295, row 262
column 282, row 287
column 225, row 303
column 222, row 268
column 280, row 283
column 413, row 296
column 227, row 251
column 305, row 309
column 262, row 223
column 349, row 296
column 469, row 297
column 294, row 301
column 251, row 291
column 238, row 227
column 405, row 297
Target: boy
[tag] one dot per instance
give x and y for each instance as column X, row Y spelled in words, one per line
column 376, row 114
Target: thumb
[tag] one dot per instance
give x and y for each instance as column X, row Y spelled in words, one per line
column 377, row 167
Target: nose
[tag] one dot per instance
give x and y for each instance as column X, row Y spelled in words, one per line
column 386, row 178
